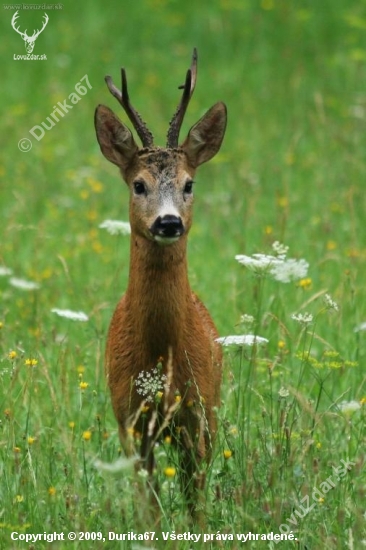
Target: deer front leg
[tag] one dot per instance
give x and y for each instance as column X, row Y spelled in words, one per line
column 195, row 454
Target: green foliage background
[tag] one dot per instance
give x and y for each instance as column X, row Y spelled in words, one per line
column 292, row 168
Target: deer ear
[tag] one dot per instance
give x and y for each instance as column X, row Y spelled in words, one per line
column 115, row 139
column 205, row 137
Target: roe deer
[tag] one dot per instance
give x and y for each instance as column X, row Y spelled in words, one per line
column 161, row 335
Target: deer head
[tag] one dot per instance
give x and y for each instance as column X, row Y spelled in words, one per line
column 160, row 179
column 28, row 40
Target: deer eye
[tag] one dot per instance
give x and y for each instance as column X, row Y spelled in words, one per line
column 188, row 188
column 139, row 188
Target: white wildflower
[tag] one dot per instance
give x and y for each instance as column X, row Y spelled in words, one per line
column 283, row 392
column 82, row 172
column 360, row 327
column 116, row 227
column 280, row 249
column 4, row 271
column 289, row 270
column 149, row 383
column 241, row 340
column 22, row 284
column 282, row 269
column 143, row 473
column 258, row 262
column 253, row 179
column 117, row 466
column 349, row 407
column 246, row 319
column 330, row 304
column 73, row 315
column 302, row 318
column 357, row 111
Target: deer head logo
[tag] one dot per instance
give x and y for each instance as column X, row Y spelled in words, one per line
column 28, row 40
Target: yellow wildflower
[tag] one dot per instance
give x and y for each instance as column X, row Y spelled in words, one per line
column 47, row 273
column 170, row 471
column 305, row 283
column 91, row 215
column 31, row 440
column 31, row 362
column 97, row 247
column 283, row 202
column 227, row 454
column 12, row 354
column 268, row 5
column 51, row 491
column 330, row 353
column 83, row 385
column 167, row 440
column 87, row 435
column 95, row 185
column 19, row 498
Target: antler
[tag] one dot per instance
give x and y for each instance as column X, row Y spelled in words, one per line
column 37, row 32
column 143, row 132
column 13, row 21
column 188, row 89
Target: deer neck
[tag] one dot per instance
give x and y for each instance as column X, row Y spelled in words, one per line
column 158, row 297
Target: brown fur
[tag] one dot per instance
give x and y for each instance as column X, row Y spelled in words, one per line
column 159, row 319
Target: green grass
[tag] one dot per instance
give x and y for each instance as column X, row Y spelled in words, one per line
column 292, row 168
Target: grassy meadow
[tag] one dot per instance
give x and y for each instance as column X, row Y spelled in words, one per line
column 290, row 454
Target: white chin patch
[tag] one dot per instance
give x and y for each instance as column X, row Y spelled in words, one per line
column 164, row 241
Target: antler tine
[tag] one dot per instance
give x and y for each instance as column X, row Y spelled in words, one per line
column 14, row 21
column 188, row 89
column 123, row 98
column 37, row 32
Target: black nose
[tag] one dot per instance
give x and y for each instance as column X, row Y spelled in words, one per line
column 167, row 226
